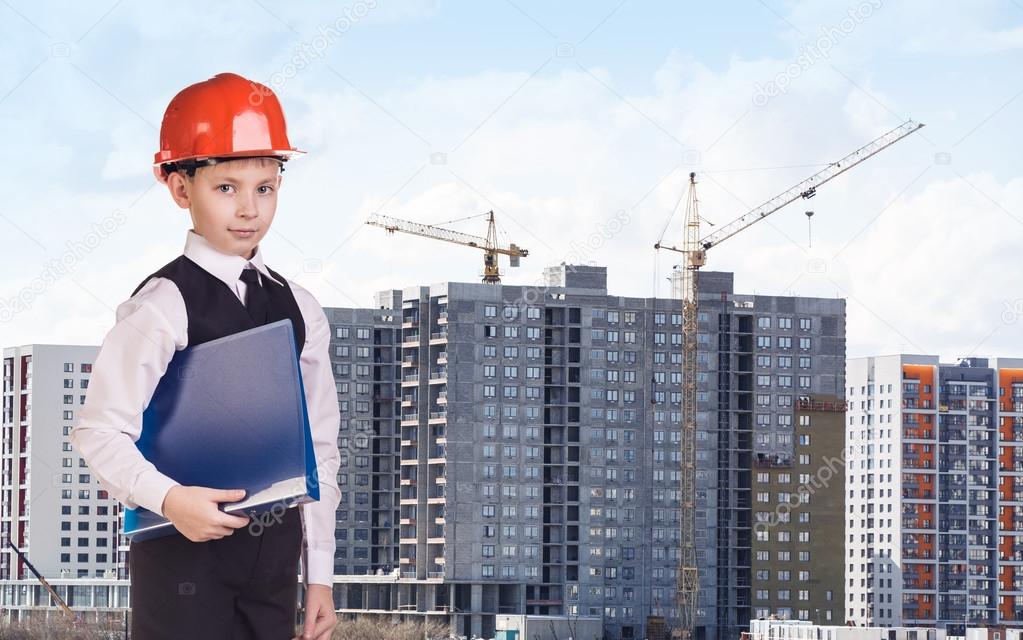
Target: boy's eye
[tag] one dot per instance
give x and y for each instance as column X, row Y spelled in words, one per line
column 264, row 189
column 224, row 188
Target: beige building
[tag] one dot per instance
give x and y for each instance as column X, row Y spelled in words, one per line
column 798, row 519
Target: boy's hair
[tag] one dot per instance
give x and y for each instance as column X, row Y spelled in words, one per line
column 189, row 169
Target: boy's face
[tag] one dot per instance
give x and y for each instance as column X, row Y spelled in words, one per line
column 232, row 203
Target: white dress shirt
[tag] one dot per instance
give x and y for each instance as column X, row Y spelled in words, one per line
column 150, row 327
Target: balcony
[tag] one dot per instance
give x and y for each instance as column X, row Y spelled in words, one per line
column 918, row 494
column 915, row 462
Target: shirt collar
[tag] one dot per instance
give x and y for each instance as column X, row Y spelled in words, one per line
column 223, row 266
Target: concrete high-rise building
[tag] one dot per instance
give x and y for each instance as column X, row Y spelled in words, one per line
column 365, row 353
column 515, row 450
column 50, row 504
column 934, row 478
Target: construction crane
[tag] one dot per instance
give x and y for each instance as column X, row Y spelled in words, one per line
column 491, row 272
column 694, row 250
column 73, row 617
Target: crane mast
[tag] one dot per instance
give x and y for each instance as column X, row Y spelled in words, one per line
column 694, row 258
column 694, row 250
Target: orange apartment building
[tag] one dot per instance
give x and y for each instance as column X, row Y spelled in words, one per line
column 934, row 492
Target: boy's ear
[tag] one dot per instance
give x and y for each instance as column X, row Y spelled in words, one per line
column 178, row 186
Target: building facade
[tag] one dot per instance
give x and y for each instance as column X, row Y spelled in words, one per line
column 798, row 516
column 51, row 506
column 515, row 450
column 935, row 491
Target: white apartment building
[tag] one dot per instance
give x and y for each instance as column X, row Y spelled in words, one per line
column 52, row 507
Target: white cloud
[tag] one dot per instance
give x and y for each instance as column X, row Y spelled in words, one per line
column 563, row 155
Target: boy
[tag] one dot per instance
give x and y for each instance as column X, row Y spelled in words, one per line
column 223, row 143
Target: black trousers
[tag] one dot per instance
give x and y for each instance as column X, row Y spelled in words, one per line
column 238, row 587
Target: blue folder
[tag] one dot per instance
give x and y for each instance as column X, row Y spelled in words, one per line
column 231, row 414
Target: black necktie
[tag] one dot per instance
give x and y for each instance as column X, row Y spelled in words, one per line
column 256, row 300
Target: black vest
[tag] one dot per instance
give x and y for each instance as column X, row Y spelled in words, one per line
column 213, row 309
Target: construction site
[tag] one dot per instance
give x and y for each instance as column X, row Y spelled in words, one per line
column 664, row 520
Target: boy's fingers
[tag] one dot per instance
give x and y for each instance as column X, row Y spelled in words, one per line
column 227, row 495
column 323, row 630
column 234, row 522
column 322, row 627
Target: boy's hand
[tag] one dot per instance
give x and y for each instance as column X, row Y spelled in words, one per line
column 195, row 512
column 320, row 618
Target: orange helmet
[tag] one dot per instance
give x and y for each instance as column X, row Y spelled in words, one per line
column 226, row 116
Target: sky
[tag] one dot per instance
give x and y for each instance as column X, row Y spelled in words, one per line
column 562, row 118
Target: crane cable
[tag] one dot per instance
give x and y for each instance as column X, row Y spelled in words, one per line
column 674, row 210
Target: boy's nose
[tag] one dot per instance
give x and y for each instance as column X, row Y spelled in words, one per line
column 247, row 208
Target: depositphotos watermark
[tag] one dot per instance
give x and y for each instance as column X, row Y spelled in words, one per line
column 579, row 254
column 357, row 444
column 815, row 51
column 830, row 468
column 327, row 34
column 59, row 267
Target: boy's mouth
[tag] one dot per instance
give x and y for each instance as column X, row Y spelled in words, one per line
column 243, row 233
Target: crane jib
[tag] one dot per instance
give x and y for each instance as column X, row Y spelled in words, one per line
column 808, row 188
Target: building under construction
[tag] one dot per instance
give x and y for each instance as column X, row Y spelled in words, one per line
column 515, row 450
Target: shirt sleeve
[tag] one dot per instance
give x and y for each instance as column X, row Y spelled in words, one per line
column 324, row 422
column 150, row 326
